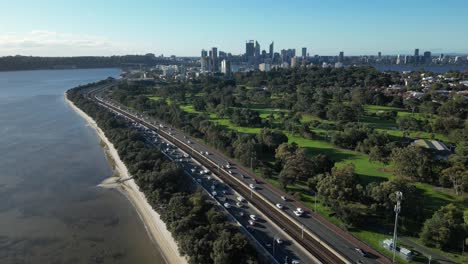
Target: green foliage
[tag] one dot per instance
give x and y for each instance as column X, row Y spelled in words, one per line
column 446, row 229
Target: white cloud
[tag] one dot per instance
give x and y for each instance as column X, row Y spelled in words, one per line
column 48, row 43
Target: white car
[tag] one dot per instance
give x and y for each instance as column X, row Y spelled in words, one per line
column 238, row 204
column 284, row 198
column 252, row 186
column 206, row 171
column 228, row 166
column 251, row 222
column 297, row 213
column 280, row 206
column 193, row 170
column 230, row 172
column 295, row 261
column 202, row 172
column 253, row 217
column 189, row 142
column 300, row 210
column 227, row 205
column 214, row 193
column 278, row 240
column 240, row 199
column 207, row 153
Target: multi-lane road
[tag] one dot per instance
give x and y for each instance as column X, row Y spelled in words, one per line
column 326, row 242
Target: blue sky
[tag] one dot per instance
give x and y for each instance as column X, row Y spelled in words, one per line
column 93, row 27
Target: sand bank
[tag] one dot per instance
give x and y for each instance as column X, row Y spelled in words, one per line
column 154, row 225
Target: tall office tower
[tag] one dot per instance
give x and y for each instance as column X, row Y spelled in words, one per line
column 304, row 52
column 341, row 56
column 427, row 57
column 398, row 59
column 379, row 55
column 407, row 59
column 264, row 54
column 226, row 67
column 257, row 49
column 294, row 62
column 204, row 61
column 214, row 59
column 249, row 48
column 271, row 54
column 416, row 55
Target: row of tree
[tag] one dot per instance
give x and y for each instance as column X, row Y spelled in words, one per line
column 202, row 231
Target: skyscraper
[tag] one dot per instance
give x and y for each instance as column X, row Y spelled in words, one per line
column 304, row 52
column 257, row 50
column 294, row 62
column 341, row 56
column 226, row 67
column 204, row 61
column 379, row 55
column 272, row 52
column 214, row 59
column 427, row 57
column 249, row 48
column 416, row 55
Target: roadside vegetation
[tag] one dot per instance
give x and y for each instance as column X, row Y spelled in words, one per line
column 202, row 231
column 337, row 140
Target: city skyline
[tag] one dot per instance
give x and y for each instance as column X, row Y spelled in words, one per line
column 364, row 28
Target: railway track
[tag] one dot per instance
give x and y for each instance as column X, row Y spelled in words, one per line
column 322, row 252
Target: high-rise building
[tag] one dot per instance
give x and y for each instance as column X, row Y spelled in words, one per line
column 264, row 67
column 379, row 55
column 427, row 57
column 304, row 52
column 226, row 67
column 294, row 62
column 271, row 54
column 214, row 59
column 204, row 61
column 398, row 59
column 257, row 50
column 249, row 48
column 416, row 55
column 341, row 56
column 407, row 59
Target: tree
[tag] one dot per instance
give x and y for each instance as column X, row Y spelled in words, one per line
column 341, row 184
column 384, row 199
column 378, row 153
column 272, row 138
column 301, row 167
column 458, row 176
column 408, row 123
column 413, row 162
column 285, row 151
column 446, row 229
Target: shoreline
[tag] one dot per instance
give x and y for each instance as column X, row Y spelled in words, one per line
column 154, row 226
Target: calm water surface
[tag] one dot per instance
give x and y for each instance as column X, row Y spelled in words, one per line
column 50, row 163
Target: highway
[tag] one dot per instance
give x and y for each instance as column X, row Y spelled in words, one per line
column 326, row 242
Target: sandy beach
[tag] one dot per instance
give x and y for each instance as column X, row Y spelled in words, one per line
column 154, row 225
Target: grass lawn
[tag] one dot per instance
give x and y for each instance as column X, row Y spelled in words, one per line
column 432, row 198
column 391, row 127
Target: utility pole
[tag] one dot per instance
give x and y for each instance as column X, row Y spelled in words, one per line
column 397, row 209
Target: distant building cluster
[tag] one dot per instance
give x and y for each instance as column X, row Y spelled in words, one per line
column 255, row 58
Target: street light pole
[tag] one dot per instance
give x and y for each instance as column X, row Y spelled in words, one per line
column 397, row 209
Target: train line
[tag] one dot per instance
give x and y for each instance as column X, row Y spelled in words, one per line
column 323, row 252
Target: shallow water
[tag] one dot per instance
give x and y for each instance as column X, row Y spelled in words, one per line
column 50, row 163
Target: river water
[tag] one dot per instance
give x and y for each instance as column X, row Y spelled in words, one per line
column 50, row 163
